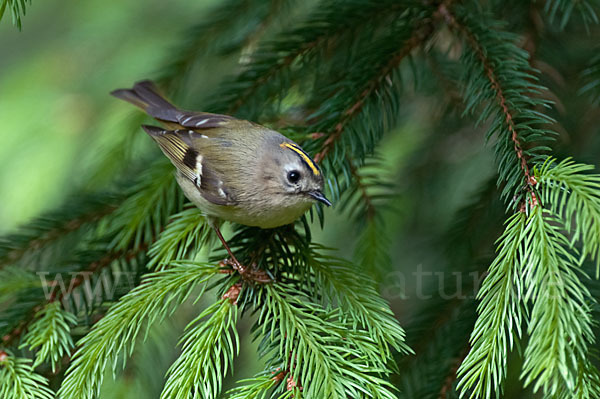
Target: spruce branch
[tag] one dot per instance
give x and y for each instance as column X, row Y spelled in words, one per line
column 57, row 291
column 560, row 323
column 563, row 10
column 77, row 213
column 591, row 78
column 378, row 78
column 498, row 78
column 368, row 197
column 324, row 354
column 500, row 316
column 50, row 334
column 208, row 347
column 356, row 109
column 568, row 190
column 150, row 203
column 439, row 332
column 373, row 247
column 588, row 384
column 336, row 279
column 13, row 279
column 114, row 335
column 536, row 265
column 187, row 232
column 272, row 61
column 19, row 381
column 253, row 388
column 431, row 373
column 213, row 34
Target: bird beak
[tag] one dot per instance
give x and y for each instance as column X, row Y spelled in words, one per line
column 319, row 197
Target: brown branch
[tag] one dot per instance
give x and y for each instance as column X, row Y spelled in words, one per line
column 51, row 235
column 418, row 37
column 253, row 37
column 233, row 293
column 358, row 179
column 290, row 382
column 449, row 381
column 287, row 60
column 249, row 91
column 75, row 282
column 500, row 97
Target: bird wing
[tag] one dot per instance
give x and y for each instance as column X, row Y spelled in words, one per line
column 146, row 96
column 184, row 148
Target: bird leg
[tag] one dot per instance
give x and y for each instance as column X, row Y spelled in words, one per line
column 248, row 274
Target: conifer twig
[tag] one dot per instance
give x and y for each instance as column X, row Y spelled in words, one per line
column 420, row 35
column 55, row 233
column 359, row 181
column 76, row 281
column 449, row 381
column 530, row 181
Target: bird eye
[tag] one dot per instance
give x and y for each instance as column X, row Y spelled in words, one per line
column 293, row 176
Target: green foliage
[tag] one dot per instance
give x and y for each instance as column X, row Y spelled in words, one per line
column 505, row 95
column 254, row 388
column 14, row 279
column 115, row 335
column 574, row 195
column 50, row 334
column 186, row 232
column 591, row 76
column 149, row 204
column 17, row 10
column 563, row 10
column 538, row 264
column 500, row 318
column 209, row 347
column 337, row 77
column 560, row 320
column 358, row 299
column 19, row 381
column 77, row 216
column 367, row 201
column 323, row 352
column 285, row 60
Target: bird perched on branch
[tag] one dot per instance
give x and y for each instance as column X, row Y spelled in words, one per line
column 231, row 169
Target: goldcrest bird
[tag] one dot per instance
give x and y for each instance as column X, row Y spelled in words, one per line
column 231, row 169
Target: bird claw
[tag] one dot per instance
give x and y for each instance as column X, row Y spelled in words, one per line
column 253, row 273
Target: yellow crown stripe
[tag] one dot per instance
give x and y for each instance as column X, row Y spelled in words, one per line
column 305, row 157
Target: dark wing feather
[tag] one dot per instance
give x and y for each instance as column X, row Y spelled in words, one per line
column 201, row 120
column 178, row 146
column 146, row 96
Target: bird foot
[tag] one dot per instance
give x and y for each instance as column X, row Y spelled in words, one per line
column 252, row 273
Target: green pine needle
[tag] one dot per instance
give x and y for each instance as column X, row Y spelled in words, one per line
column 17, row 9
column 560, row 323
column 19, row 381
column 208, row 348
column 50, row 334
column 151, row 202
column 254, row 388
column 187, row 232
column 323, row 353
column 115, row 334
column 570, row 191
column 501, row 313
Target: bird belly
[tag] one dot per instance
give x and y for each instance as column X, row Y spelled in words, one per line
column 273, row 217
column 267, row 218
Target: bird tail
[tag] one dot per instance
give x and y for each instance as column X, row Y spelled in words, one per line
column 146, row 96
